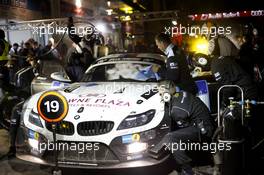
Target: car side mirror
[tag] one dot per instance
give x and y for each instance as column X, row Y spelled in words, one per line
column 166, row 97
column 166, row 90
column 60, row 76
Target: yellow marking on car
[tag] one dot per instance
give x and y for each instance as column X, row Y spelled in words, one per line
column 135, row 137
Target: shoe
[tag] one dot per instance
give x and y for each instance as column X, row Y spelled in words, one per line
column 12, row 152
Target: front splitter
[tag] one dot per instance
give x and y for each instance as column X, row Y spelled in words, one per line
column 146, row 162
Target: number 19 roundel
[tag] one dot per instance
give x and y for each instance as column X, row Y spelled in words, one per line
column 52, row 106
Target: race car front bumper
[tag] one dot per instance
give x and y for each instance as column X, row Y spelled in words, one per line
column 146, row 162
column 115, row 155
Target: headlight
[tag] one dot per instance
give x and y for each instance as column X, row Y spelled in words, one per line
column 37, row 143
column 136, row 147
column 34, row 119
column 137, row 120
column 33, row 143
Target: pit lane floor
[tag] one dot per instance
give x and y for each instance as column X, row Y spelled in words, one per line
column 17, row 167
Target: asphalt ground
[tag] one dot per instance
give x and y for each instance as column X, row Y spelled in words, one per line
column 16, row 166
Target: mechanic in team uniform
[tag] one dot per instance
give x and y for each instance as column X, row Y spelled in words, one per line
column 193, row 123
column 227, row 71
column 176, row 68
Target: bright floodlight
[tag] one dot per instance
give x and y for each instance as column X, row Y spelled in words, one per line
column 174, row 22
column 136, row 147
column 78, row 3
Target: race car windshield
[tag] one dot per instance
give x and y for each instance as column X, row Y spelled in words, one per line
column 122, row 72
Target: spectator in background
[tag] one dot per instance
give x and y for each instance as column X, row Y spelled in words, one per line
column 251, row 57
column 49, row 51
column 14, row 50
column 36, row 48
column 21, row 46
column 251, row 53
column 31, row 42
column 222, row 46
column 109, row 44
column 4, row 49
column 240, row 40
column 75, row 68
column 24, row 53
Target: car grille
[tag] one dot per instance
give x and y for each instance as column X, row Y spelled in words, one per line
column 92, row 128
column 83, row 155
column 62, row 127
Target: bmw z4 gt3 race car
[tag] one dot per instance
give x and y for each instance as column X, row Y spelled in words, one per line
column 116, row 116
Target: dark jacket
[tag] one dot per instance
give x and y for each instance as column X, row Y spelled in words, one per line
column 227, row 71
column 223, row 46
column 177, row 70
column 188, row 110
column 75, row 69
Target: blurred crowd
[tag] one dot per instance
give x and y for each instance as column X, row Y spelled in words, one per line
column 23, row 55
column 248, row 53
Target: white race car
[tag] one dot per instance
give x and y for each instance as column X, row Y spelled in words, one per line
column 116, row 116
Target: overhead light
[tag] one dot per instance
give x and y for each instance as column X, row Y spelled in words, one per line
column 78, row 3
column 174, row 22
column 109, row 11
column 125, row 18
column 200, row 45
column 127, row 10
column 108, row 3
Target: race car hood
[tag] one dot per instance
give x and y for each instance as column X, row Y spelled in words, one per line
column 110, row 102
column 112, row 98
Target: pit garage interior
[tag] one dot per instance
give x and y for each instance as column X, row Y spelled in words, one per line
column 80, row 73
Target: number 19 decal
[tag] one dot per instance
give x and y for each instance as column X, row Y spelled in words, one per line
column 52, row 106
